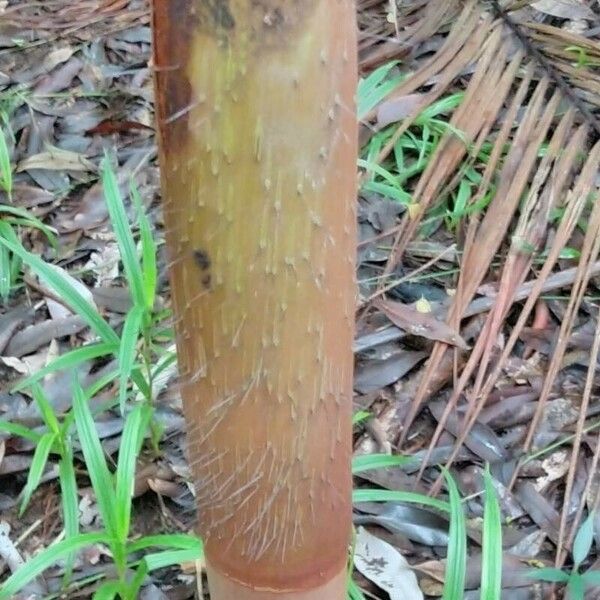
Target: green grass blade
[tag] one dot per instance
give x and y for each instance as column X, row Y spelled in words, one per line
column 456, row 563
column 127, row 350
column 68, row 490
column 491, row 559
column 181, row 541
column 360, row 416
column 372, row 495
column 99, row 474
column 107, row 591
column 575, row 587
column 354, row 592
column 69, row 501
column 149, row 268
column 36, row 470
column 101, row 383
column 582, row 544
column 378, row 461
column 550, row 574
column 374, row 88
column 45, row 408
column 62, row 287
column 131, row 442
column 133, row 589
column 68, row 362
column 5, row 273
column 5, row 167
column 591, row 578
column 171, row 557
column 20, row 430
column 40, row 562
column 395, row 193
column 23, row 217
column 120, row 223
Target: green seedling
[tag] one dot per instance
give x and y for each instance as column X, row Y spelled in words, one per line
column 114, row 497
column 575, row 580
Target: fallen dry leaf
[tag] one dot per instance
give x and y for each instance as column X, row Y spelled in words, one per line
column 420, row 324
column 386, row 567
column 564, row 9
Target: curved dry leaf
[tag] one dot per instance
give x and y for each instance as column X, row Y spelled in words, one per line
column 420, row 324
column 56, row 159
column 564, row 9
column 386, row 567
column 417, row 524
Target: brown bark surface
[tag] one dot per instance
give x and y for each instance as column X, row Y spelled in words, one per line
column 258, row 148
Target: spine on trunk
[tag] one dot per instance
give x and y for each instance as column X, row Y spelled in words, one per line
column 258, row 143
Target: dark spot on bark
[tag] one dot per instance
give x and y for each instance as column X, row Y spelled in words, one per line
column 206, row 280
column 202, row 259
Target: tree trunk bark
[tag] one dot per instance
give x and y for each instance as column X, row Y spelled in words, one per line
column 258, row 141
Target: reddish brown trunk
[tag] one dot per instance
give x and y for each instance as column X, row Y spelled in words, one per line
column 258, row 148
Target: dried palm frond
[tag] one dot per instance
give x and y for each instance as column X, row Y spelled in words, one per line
column 531, row 92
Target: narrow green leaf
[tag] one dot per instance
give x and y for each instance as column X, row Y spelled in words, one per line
column 62, row 287
column 45, row 408
column 393, row 192
column 456, row 563
column 550, row 574
column 27, row 219
column 69, row 501
column 582, row 544
column 374, row 88
column 131, row 441
column 107, row 591
column 591, row 577
column 180, row 541
column 127, row 350
column 94, row 458
column 68, row 491
column 366, row 462
column 354, row 592
column 5, row 278
column 360, row 416
column 371, row 495
column 133, row 589
column 120, row 223
column 149, row 269
column 491, row 559
column 575, row 587
column 20, row 430
column 101, row 383
column 40, row 562
column 5, row 167
column 171, row 557
column 36, row 470
column 69, row 361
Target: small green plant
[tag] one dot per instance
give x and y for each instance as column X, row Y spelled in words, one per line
column 14, row 218
column 376, row 86
column 134, row 348
column 456, row 561
column 576, row 582
column 6, row 182
column 114, row 496
column 140, row 360
column 582, row 58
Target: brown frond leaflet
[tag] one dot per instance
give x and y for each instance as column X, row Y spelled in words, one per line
column 546, row 66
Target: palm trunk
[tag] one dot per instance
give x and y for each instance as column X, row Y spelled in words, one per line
column 258, row 145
